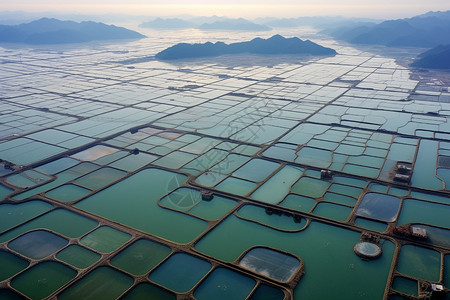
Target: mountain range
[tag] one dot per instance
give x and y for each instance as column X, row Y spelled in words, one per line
column 213, row 23
column 53, row 31
column 277, row 44
column 427, row 30
column 435, row 58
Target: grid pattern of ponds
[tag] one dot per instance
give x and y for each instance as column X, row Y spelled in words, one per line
column 124, row 177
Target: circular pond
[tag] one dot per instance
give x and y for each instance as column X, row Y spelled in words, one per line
column 367, row 250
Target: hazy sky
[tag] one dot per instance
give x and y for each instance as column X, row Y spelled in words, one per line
column 234, row 8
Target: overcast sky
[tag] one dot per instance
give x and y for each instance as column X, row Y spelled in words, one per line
column 234, row 8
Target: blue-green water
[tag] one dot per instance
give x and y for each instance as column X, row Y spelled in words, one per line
column 134, row 202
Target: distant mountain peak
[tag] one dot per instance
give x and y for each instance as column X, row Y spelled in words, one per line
column 435, row 58
column 277, row 37
column 274, row 45
column 206, row 23
column 54, row 31
column 427, row 30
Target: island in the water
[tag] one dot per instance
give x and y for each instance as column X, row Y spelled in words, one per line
column 277, row 44
column 53, row 31
column 435, row 58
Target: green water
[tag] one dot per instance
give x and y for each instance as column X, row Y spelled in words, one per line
column 201, row 146
column 58, row 165
column 314, row 157
column 406, row 286
column 159, row 150
column 278, row 186
column 60, row 220
column 338, row 162
column 78, row 256
column 213, row 209
column 372, row 225
column 210, row 178
column 398, row 192
column 419, row 262
column 367, row 161
column 63, row 177
column 415, row 211
column 323, row 144
column 349, row 149
column 380, row 207
column 205, row 161
column 227, row 146
column 28, row 179
column 15, row 214
column 175, row 160
column 376, row 152
column 236, row 186
column 259, row 134
column 9, row 295
column 134, row 202
column 310, row 187
column 133, row 162
column 425, row 166
column 313, row 173
column 182, row 199
column 339, row 199
column 224, row 284
column 68, row 193
column 105, row 239
column 299, row 203
column 331, row 266
column 265, row 292
column 430, row 197
column 230, row 163
column 270, row 263
column 280, row 153
column 402, row 152
column 103, row 283
column 43, row 279
column 4, row 191
column 304, row 132
column 361, row 170
column 140, row 257
column 150, row 292
column 81, row 169
column 274, row 220
column 375, row 187
column 346, row 190
column 180, row 272
column 444, row 174
column 38, row 244
column 332, row 211
column 100, row 178
column 10, row 265
column 256, row 170
column 53, row 136
column 28, row 152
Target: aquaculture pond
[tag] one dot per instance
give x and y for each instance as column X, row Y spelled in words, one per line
column 237, row 177
column 321, row 247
